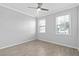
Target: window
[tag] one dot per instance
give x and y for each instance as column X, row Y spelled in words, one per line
column 63, row 24
column 42, row 26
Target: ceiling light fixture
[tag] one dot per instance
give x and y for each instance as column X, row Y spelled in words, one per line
column 38, row 9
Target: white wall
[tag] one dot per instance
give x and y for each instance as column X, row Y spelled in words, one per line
column 65, row 40
column 15, row 28
column 78, row 28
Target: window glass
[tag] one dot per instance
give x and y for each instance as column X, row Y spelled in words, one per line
column 42, row 26
column 63, row 24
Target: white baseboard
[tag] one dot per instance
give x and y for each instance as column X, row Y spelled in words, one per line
column 59, row 44
column 38, row 39
column 16, row 44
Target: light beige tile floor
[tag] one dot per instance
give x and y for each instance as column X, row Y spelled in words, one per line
column 38, row 48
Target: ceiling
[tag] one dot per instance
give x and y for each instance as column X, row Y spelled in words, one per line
column 53, row 7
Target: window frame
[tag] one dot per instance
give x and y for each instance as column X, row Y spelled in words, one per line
column 69, row 24
column 41, row 26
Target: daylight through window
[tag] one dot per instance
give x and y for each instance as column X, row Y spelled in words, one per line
column 63, row 24
column 42, row 26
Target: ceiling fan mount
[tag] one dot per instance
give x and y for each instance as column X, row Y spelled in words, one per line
column 39, row 6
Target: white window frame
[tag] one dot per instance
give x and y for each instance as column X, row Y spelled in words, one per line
column 69, row 24
column 42, row 26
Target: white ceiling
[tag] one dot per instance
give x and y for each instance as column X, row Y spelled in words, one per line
column 53, row 7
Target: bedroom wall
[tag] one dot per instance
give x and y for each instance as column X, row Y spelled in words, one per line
column 78, row 27
column 51, row 36
column 15, row 28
